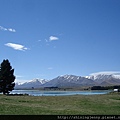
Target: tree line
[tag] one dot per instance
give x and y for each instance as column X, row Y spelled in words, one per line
column 7, row 77
column 105, row 87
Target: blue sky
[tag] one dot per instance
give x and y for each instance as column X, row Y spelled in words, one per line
column 48, row 38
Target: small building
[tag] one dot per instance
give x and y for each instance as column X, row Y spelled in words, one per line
column 116, row 90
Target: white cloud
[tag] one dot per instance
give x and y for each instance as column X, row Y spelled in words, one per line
column 2, row 28
column 16, row 46
column 50, row 68
column 11, row 30
column 51, row 38
column 7, row 29
column 20, row 81
column 18, row 76
column 107, row 73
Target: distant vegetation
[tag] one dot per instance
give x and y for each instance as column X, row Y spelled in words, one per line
column 7, row 77
column 105, row 87
column 81, row 88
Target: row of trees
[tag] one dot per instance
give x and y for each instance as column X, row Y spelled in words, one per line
column 105, row 87
column 7, row 77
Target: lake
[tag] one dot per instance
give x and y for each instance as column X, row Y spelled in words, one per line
column 58, row 93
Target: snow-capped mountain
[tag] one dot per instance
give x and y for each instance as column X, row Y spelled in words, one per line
column 35, row 83
column 105, row 78
column 96, row 79
column 101, row 75
column 69, row 81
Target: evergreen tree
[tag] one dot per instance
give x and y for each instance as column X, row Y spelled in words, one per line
column 7, row 77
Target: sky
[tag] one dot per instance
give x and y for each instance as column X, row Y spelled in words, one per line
column 48, row 38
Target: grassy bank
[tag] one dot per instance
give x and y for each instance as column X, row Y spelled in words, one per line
column 108, row 104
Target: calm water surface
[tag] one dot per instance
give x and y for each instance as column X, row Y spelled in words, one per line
column 58, row 93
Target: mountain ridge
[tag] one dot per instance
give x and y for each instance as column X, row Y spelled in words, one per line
column 72, row 81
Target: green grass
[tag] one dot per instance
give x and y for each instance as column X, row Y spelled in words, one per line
column 108, row 104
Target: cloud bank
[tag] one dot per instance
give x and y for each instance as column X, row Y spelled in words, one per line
column 16, row 46
column 107, row 73
column 7, row 29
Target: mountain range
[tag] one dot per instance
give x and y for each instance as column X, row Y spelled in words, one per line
column 35, row 83
column 72, row 81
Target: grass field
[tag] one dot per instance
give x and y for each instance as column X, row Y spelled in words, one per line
column 108, row 104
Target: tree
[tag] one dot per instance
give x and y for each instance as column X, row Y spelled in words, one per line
column 7, row 77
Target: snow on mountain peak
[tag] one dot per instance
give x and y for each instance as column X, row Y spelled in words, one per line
column 104, row 75
column 37, row 80
column 42, row 81
column 100, row 78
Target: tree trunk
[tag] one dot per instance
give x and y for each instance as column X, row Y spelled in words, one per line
column 4, row 93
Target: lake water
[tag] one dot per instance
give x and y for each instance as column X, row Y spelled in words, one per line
column 58, row 93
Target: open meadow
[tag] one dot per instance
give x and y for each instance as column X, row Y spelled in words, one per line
column 108, row 104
